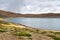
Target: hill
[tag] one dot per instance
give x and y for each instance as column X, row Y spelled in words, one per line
column 45, row 15
column 8, row 14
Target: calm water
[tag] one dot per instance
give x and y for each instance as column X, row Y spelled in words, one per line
column 44, row 23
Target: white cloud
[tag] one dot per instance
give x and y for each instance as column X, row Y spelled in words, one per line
column 41, row 6
column 3, row 6
column 30, row 9
column 30, row 6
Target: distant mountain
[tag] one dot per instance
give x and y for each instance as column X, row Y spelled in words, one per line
column 8, row 14
column 45, row 15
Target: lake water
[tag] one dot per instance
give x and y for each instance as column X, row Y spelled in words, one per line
column 43, row 23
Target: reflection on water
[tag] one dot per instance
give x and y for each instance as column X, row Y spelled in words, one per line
column 44, row 23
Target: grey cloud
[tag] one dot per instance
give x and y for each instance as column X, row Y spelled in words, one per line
column 15, row 5
column 37, row 5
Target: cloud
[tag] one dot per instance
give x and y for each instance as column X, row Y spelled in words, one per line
column 30, row 6
column 3, row 6
column 41, row 6
column 30, row 9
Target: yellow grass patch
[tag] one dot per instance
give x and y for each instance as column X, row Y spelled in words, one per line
column 13, row 25
column 1, row 18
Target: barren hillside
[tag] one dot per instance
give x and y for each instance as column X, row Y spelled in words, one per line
column 45, row 15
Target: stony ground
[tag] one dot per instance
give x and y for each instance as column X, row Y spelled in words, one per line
column 7, row 36
column 11, row 31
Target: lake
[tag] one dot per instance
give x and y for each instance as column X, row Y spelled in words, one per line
column 43, row 23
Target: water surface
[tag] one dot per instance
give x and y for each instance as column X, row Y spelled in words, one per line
column 43, row 23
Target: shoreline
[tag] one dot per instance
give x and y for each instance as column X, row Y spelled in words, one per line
column 33, row 27
column 2, row 19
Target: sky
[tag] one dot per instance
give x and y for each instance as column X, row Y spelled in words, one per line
column 31, row 6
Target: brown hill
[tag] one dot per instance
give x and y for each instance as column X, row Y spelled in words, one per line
column 45, row 15
column 8, row 14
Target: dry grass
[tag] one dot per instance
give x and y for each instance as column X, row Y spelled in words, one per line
column 10, row 31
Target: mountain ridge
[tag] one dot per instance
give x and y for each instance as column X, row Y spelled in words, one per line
column 45, row 15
